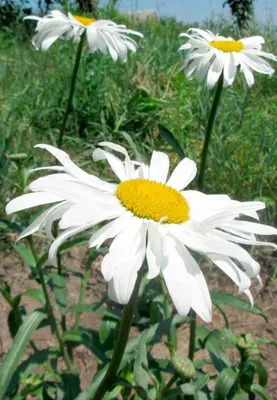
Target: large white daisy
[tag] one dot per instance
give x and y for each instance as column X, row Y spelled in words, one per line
column 103, row 35
column 209, row 55
column 148, row 215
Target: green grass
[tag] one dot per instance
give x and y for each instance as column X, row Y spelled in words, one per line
column 125, row 102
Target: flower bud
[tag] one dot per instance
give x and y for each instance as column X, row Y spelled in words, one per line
column 183, row 366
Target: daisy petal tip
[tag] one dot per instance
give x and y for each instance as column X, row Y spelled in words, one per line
column 98, row 155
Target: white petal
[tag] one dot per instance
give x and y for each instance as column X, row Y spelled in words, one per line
column 200, row 296
column 61, row 239
column 54, row 214
column 109, row 230
column 127, row 253
column 52, row 168
column 230, row 69
column 253, row 40
column 129, row 167
column 87, row 213
column 240, row 240
column 75, row 171
column 176, row 276
column 34, row 226
column 253, row 227
column 206, row 34
column 215, row 70
column 153, row 252
column 159, row 166
column 231, row 269
column 249, row 77
column 250, row 297
column 30, row 200
column 115, row 163
column 183, row 174
column 65, row 187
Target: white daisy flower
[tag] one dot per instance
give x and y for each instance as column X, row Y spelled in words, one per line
column 209, row 55
column 148, row 215
column 103, row 35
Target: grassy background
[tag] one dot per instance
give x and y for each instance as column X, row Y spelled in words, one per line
column 126, row 102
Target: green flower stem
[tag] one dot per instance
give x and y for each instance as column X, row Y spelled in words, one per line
column 192, row 334
column 49, row 308
column 209, row 132
column 200, row 185
column 166, row 388
column 53, row 321
column 72, row 87
column 122, row 339
column 82, row 295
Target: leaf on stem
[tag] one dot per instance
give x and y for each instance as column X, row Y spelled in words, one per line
column 19, row 345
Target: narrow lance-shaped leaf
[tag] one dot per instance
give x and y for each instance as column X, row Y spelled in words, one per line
column 225, row 383
column 169, row 137
column 60, row 291
column 141, row 376
column 238, row 303
column 19, row 345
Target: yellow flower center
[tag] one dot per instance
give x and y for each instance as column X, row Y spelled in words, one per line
column 84, row 20
column 153, row 200
column 227, row 46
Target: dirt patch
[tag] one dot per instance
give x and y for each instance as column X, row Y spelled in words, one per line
column 13, row 271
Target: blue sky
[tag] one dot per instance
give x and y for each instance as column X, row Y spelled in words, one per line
column 197, row 10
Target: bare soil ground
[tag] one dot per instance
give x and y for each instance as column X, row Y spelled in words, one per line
column 12, row 270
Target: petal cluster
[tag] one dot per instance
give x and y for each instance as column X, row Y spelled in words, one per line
column 210, row 55
column 103, row 35
column 81, row 202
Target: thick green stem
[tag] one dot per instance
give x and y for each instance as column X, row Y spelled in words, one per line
column 72, row 87
column 209, row 132
column 122, row 339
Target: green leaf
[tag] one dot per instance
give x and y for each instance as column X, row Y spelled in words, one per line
column 169, row 137
column 94, row 307
column 247, row 376
column 30, row 324
column 260, row 391
column 140, row 374
column 89, row 339
column 238, row 303
column 26, row 255
column 261, row 371
column 15, row 320
column 60, row 291
column 225, row 383
column 71, row 385
column 107, row 331
column 189, row 389
column 27, row 366
column 93, row 386
column 36, row 294
column 10, row 226
column 215, row 342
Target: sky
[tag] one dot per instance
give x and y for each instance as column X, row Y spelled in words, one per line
column 196, row 10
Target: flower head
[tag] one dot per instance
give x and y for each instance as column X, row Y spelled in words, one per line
column 210, row 55
column 148, row 215
column 103, row 35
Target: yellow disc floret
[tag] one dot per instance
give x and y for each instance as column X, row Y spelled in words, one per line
column 153, row 200
column 227, row 46
column 84, row 20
